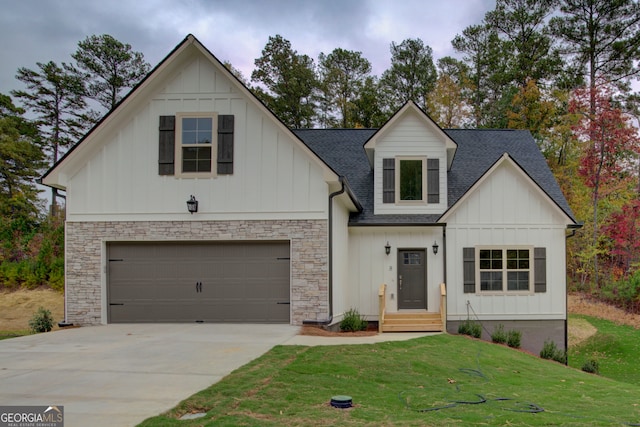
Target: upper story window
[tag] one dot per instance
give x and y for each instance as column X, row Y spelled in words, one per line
column 410, row 180
column 194, row 143
column 411, row 177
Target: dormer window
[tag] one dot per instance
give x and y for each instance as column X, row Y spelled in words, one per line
column 411, row 174
column 410, row 180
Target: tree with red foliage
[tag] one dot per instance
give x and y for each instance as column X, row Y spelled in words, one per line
column 610, row 144
column 623, row 228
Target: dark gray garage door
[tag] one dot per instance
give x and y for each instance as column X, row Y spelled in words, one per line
column 204, row 281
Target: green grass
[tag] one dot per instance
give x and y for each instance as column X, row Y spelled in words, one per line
column 402, row 383
column 615, row 347
column 13, row 334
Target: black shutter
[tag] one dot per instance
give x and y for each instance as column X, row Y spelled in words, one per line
column 433, row 180
column 388, row 180
column 540, row 269
column 225, row 144
column 469, row 270
column 166, row 145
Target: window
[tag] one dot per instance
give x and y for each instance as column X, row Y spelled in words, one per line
column 412, row 258
column 195, row 146
column 505, row 269
column 410, row 179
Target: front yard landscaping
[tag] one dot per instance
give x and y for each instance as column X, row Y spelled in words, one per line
column 437, row 380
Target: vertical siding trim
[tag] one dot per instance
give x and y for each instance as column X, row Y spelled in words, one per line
column 388, row 180
column 166, row 145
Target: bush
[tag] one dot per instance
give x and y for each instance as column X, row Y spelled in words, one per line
column 499, row 336
column 41, row 321
column 552, row 352
column 591, row 366
column 353, row 321
column 469, row 327
column 624, row 293
column 513, row 338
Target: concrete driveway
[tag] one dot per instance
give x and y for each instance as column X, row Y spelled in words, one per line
column 119, row 375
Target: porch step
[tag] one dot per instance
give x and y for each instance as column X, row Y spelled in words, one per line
column 412, row 322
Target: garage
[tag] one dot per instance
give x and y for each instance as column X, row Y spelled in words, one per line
column 241, row 282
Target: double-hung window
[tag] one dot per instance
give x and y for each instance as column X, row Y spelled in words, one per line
column 505, row 269
column 195, row 146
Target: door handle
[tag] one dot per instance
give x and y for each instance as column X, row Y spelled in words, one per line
column 198, row 286
column 400, row 281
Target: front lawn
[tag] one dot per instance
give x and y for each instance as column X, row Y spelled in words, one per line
column 437, row 380
column 615, row 348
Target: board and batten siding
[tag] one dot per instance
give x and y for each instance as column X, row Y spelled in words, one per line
column 342, row 264
column 273, row 177
column 410, row 136
column 505, row 210
column 371, row 267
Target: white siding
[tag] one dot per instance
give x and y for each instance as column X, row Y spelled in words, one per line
column 370, row 266
column 410, row 136
column 274, row 178
column 342, row 289
column 507, row 210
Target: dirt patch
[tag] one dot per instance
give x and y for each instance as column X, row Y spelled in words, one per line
column 319, row 332
column 580, row 330
column 582, row 304
column 17, row 307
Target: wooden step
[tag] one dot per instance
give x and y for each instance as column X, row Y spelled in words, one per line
column 412, row 322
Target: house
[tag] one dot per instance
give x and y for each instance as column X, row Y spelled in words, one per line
column 190, row 201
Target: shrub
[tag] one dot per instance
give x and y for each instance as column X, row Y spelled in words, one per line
column 591, row 366
column 353, row 321
column 469, row 327
column 41, row 321
column 499, row 336
column 513, row 338
column 624, row 293
column 552, row 352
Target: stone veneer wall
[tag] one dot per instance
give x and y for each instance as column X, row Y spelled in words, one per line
column 85, row 242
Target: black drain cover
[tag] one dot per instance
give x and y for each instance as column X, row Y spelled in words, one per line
column 341, row 402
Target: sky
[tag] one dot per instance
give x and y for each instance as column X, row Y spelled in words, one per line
column 233, row 30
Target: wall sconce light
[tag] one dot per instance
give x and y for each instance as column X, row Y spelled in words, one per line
column 192, row 205
column 435, row 247
column 387, row 248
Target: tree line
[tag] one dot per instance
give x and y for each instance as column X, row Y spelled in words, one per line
column 562, row 69
column 63, row 101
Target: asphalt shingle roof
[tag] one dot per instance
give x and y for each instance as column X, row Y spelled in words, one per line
column 478, row 149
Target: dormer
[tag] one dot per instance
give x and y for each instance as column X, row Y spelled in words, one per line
column 410, row 156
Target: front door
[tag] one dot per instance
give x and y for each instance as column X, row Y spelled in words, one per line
column 412, row 282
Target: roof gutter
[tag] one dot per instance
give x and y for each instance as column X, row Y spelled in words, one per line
column 344, row 188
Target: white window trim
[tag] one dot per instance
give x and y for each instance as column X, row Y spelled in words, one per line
column 399, row 201
column 178, row 146
column 504, row 291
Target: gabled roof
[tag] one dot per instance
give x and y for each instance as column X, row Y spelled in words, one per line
column 410, row 107
column 477, row 151
column 54, row 176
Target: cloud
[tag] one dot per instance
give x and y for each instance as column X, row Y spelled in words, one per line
column 237, row 31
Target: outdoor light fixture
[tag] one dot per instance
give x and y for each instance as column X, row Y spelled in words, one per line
column 387, row 248
column 435, row 247
column 192, row 205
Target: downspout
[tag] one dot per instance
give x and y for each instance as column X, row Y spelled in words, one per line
column 444, row 252
column 330, row 259
column 574, row 228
